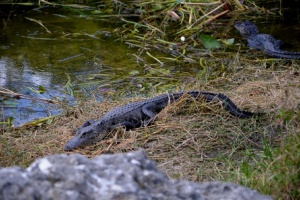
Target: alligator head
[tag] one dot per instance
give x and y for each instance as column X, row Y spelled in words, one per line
column 246, row 28
column 87, row 134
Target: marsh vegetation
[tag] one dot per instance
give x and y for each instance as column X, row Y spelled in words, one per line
column 172, row 46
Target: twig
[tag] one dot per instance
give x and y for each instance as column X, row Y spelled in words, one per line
column 220, row 6
column 18, row 95
column 39, row 22
column 203, row 4
column 216, row 16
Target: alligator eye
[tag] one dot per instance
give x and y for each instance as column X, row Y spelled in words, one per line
column 84, row 134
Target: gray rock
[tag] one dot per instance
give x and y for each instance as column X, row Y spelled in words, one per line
column 119, row 176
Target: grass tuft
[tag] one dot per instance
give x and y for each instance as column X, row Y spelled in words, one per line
column 274, row 171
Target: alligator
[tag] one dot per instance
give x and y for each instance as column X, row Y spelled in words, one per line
column 142, row 113
column 265, row 42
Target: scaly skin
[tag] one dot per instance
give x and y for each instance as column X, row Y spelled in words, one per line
column 141, row 113
column 265, row 42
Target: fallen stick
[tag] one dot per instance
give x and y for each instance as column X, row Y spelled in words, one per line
column 22, row 96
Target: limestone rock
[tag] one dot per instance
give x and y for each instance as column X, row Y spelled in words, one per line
column 129, row 176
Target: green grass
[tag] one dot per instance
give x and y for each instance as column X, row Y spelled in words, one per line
column 275, row 170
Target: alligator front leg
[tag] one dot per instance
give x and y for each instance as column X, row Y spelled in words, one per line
column 128, row 125
column 149, row 111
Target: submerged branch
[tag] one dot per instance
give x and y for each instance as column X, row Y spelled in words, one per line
column 38, row 22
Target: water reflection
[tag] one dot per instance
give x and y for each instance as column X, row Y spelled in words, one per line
column 20, row 79
column 31, row 57
column 16, row 77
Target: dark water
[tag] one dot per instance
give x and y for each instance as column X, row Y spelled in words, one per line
column 283, row 22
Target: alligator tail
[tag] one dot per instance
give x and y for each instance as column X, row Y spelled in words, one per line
column 232, row 108
column 283, row 54
column 226, row 103
column 209, row 96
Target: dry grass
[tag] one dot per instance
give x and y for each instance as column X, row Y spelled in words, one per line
column 194, row 140
column 191, row 140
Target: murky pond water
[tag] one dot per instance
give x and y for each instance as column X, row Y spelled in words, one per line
column 68, row 48
column 50, row 50
column 33, row 56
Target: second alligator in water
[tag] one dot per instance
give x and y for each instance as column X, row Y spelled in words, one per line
column 264, row 42
column 142, row 113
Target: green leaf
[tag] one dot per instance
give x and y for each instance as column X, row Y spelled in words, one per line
column 159, row 72
column 228, row 41
column 209, row 42
column 68, row 86
column 9, row 121
column 41, row 90
column 134, row 72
